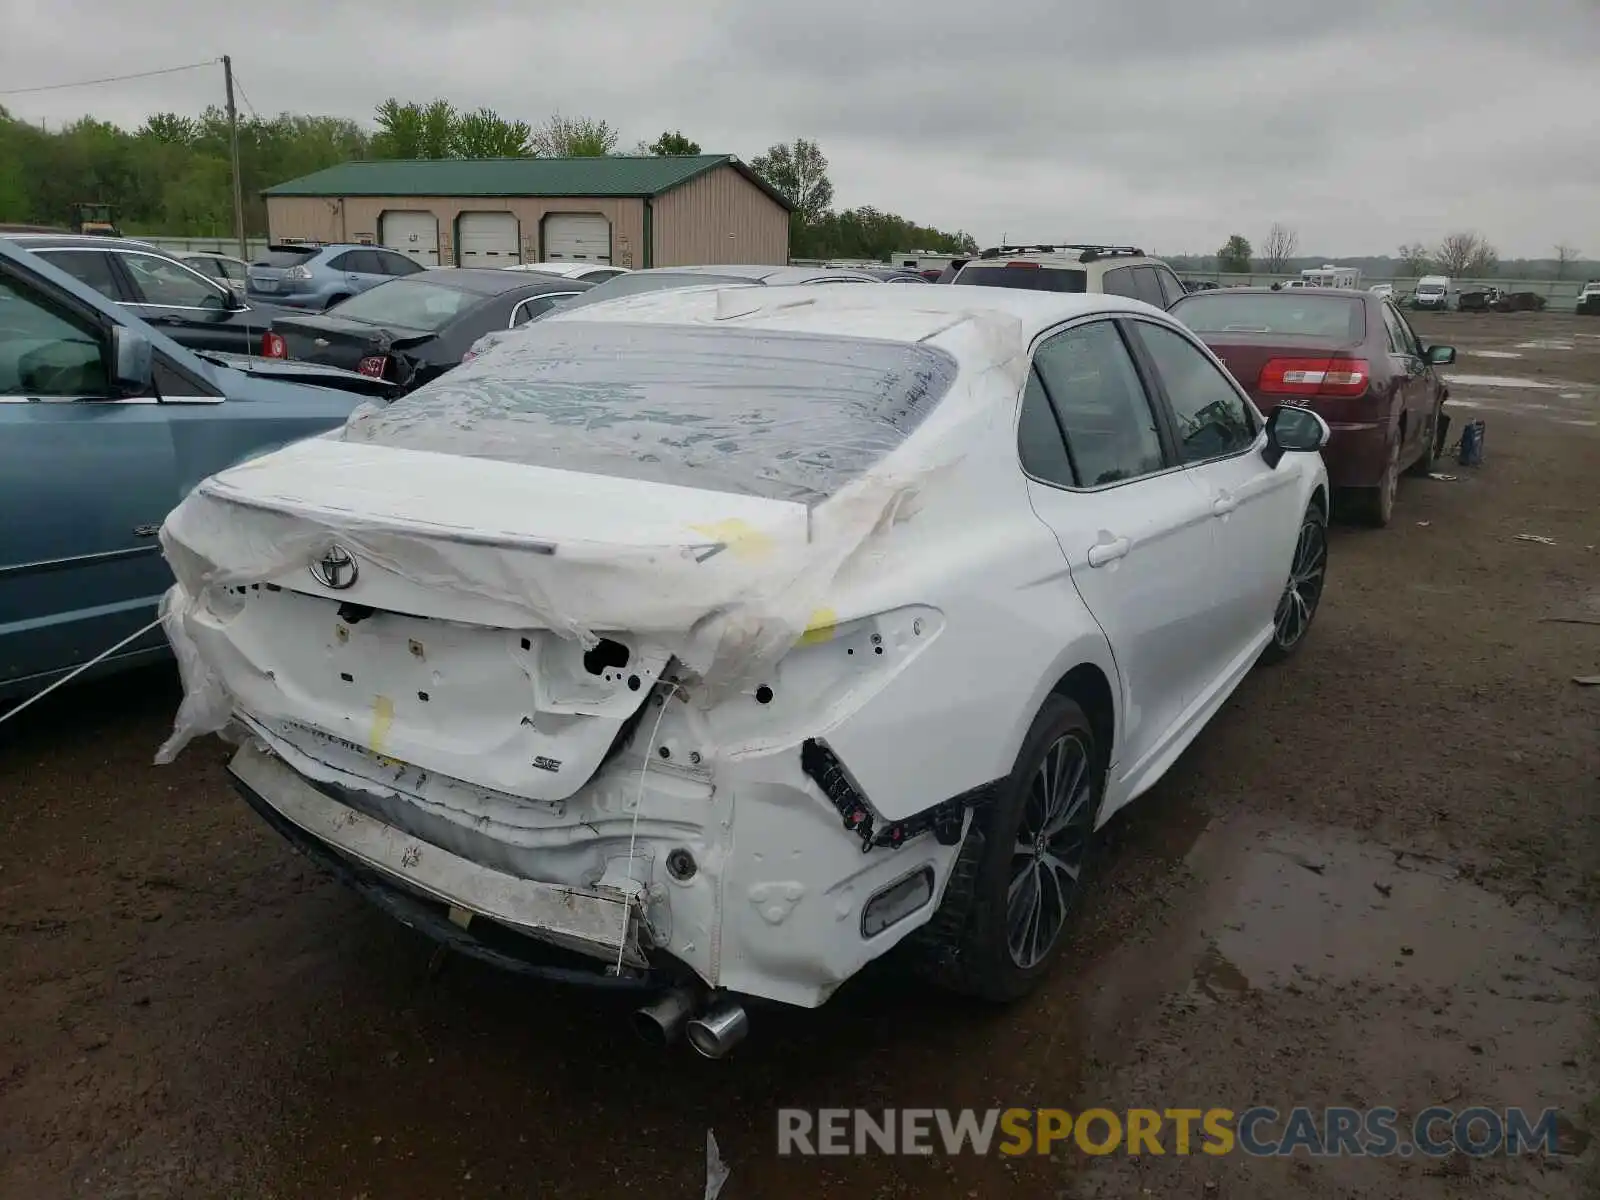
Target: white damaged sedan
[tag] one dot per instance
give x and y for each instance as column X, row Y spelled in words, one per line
column 713, row 643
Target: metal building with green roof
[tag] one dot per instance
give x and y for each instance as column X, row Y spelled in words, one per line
column 629, row 211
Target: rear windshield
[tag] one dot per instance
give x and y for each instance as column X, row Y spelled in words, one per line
column 1430, row 289
column 410, row 304
column 778, row 415
column 1300, row 312
column 285, row 258
column 639, row 282
column 1030, row 278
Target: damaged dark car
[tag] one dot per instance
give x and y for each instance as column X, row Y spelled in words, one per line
column 412, row 330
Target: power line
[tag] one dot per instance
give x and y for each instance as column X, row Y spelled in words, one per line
column 52, row 87
column 240, row 85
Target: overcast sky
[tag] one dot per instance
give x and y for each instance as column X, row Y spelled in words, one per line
column 1360, row 123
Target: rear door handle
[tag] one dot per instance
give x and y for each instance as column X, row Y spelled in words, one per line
column 1223, row 505
column 1103, row 552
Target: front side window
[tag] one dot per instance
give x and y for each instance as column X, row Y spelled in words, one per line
column 1212, row 417
column 1171, row 288
column 88, row 266
column 1088, row 377
column 46, row 352
column 1408, row 335
column 168, row 284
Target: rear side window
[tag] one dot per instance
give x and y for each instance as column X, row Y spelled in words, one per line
column 1027, row 276
column 1088, row 377
column 1119, row 282
column 780, row 415
column 279, row 258
column 390, row 263
column 90, row 267
column 1147, row 287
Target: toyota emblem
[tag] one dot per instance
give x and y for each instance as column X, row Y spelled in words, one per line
column 336, row 569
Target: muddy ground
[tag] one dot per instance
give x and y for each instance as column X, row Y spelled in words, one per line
column 1373, row 881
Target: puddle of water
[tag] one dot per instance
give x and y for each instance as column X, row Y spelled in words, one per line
column 1544, row 344
column 1572, row 395
column 1508, row 381
column 1581, row 424
column 1454, row 403
column 1493, row 353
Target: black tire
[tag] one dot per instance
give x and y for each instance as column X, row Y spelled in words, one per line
column 1375, row 506
column 1302, row 590
column 1425, row 461
column 332, row 300
column 968, row 946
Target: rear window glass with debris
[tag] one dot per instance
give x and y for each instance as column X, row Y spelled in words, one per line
column 779, row 415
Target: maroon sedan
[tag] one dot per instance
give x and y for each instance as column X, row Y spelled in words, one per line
column 1348, row 355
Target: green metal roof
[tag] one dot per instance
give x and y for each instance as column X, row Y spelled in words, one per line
column 617, row 175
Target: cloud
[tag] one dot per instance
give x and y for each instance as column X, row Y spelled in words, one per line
column 1362, row 124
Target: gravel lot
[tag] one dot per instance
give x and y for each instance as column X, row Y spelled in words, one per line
column 1373, row 881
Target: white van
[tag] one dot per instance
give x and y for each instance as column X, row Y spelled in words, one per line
column 1433, row 291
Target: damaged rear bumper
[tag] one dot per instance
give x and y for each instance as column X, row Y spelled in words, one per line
column 443, row 895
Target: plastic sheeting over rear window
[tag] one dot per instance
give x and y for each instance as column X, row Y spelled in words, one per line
column 778, row 415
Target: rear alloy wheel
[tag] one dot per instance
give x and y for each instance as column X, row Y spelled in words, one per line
column 1302, row 593
column 1376, row 505
column 1022, row 870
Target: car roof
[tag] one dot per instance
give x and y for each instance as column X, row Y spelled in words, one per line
column 844, row 310
column 89, row 241
column 762, row 272
column 492, row 281
column 1299, row 293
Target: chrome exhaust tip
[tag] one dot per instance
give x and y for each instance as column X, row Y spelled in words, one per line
column 659, row 1022
column 719, row 1028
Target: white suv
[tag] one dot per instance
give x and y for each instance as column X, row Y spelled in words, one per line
column 1112, row 270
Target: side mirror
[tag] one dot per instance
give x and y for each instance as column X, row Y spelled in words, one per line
column 1294, row 430
column 232, row 300
column 1441, row 356
column 132, row 362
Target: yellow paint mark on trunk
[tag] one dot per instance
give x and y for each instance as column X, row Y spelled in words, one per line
column 382, row 720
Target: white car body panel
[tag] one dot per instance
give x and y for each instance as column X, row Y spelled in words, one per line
column 912, row 624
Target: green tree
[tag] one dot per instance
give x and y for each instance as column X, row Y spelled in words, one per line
column 574, row 137
column 799, row 173
column 673, row 144
column 486, row 134
column 415, row 130
column 1234, row 257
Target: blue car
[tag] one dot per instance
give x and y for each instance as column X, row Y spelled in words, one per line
column 318, row 275
column 105, row 425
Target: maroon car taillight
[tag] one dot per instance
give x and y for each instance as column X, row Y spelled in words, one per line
column 373, row 366
column 273, row 346
column 1315, row 377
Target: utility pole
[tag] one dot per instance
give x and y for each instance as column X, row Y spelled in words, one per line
column 233, row 150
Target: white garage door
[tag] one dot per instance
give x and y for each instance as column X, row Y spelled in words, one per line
column 577, row 237
column 414, row 234
column 487, row 239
